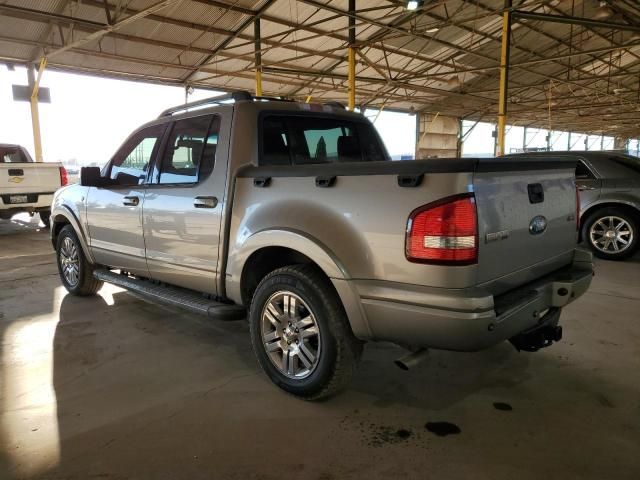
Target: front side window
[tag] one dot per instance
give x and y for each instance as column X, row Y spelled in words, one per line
column 301, row 140
column 131, row 163
column 191, row 150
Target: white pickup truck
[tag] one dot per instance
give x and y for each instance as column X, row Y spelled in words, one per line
column 25, row 185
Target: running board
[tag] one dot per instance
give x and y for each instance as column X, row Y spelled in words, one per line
column 175, row 296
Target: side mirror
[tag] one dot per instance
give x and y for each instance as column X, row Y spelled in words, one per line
column 90, row 177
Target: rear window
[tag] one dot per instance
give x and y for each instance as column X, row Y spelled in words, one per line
column 13, row 155
column 299, row 140
column 627, row 161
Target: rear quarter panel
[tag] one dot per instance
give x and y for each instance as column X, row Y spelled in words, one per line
column 361, row 221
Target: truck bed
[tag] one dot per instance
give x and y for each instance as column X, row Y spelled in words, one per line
column 359, row 212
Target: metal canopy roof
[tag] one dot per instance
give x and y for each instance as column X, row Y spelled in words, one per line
column 443, row 57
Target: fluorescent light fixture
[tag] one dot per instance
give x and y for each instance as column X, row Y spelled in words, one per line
column 432, row 30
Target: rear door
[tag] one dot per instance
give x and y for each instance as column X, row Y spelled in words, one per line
column 526, row 218
column 114, row 213
column 184, row 204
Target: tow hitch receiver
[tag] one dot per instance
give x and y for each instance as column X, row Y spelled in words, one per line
column 540, row 336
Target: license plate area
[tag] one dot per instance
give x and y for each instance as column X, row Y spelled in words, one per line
column 13, row 199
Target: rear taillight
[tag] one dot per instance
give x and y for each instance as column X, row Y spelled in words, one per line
column 444, row 232
column 64, row 178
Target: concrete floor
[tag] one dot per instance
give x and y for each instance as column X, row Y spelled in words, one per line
column 113, row 387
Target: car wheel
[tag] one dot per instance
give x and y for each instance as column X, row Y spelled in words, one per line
column 75, row 271
column 300, row 333
column 45, row 218
column 611, row 233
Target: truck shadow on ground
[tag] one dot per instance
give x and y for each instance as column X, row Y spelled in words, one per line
column 126, row 372
column 442, row 380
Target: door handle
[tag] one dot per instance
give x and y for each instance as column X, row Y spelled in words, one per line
column 205, row 202
column 582, row 188
column 131, row 201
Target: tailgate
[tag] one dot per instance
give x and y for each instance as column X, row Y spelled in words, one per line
column 29, row 177
column 526, row 219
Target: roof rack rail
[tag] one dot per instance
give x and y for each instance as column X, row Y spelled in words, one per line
column 276, row 99
column 336, row 105
column 235, row 96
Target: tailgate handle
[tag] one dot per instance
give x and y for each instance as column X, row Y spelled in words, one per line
column 536, row 193
column 325, row 182
column 410, row 181
column 261, row 182
column 16, row 172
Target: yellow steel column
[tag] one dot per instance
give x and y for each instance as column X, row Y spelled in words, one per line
column 258, row 83
column 352, row 55
column 258, row 54
column 35, row 114
column 504, row 79
column 352, row 78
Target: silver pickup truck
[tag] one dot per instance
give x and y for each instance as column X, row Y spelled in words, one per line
column 293, row 216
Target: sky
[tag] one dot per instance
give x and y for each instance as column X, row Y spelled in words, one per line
column 89, row 117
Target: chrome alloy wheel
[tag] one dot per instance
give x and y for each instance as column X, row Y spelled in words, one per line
column 70, row 261
column 611, row 234
column 290, row 335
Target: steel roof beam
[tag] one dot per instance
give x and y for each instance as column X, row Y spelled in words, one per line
column 112, row 28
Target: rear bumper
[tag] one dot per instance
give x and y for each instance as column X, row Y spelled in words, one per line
column 466, row 320
column 36, row 202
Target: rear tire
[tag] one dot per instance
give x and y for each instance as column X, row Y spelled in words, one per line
column 296, row 313
column 45, row 218
column 76, row 273
column 611, row 233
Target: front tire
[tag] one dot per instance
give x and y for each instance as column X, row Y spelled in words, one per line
column 300, row 333
column 76, row 273
column 611, row 233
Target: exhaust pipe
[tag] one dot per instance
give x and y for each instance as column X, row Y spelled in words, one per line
column 413, row 359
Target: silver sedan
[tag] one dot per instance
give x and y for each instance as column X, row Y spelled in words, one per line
column 609, row 186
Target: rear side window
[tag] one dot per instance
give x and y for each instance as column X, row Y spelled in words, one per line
column 13, row 155
column 627, row 161
column 191, row 150
column 299, row 140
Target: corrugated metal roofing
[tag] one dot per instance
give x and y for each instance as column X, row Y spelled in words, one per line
column 442, row 58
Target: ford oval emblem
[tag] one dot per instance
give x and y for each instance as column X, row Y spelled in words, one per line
column 537, row 225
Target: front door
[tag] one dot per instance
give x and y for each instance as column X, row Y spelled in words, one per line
column 114, row 213
column 184, row 204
